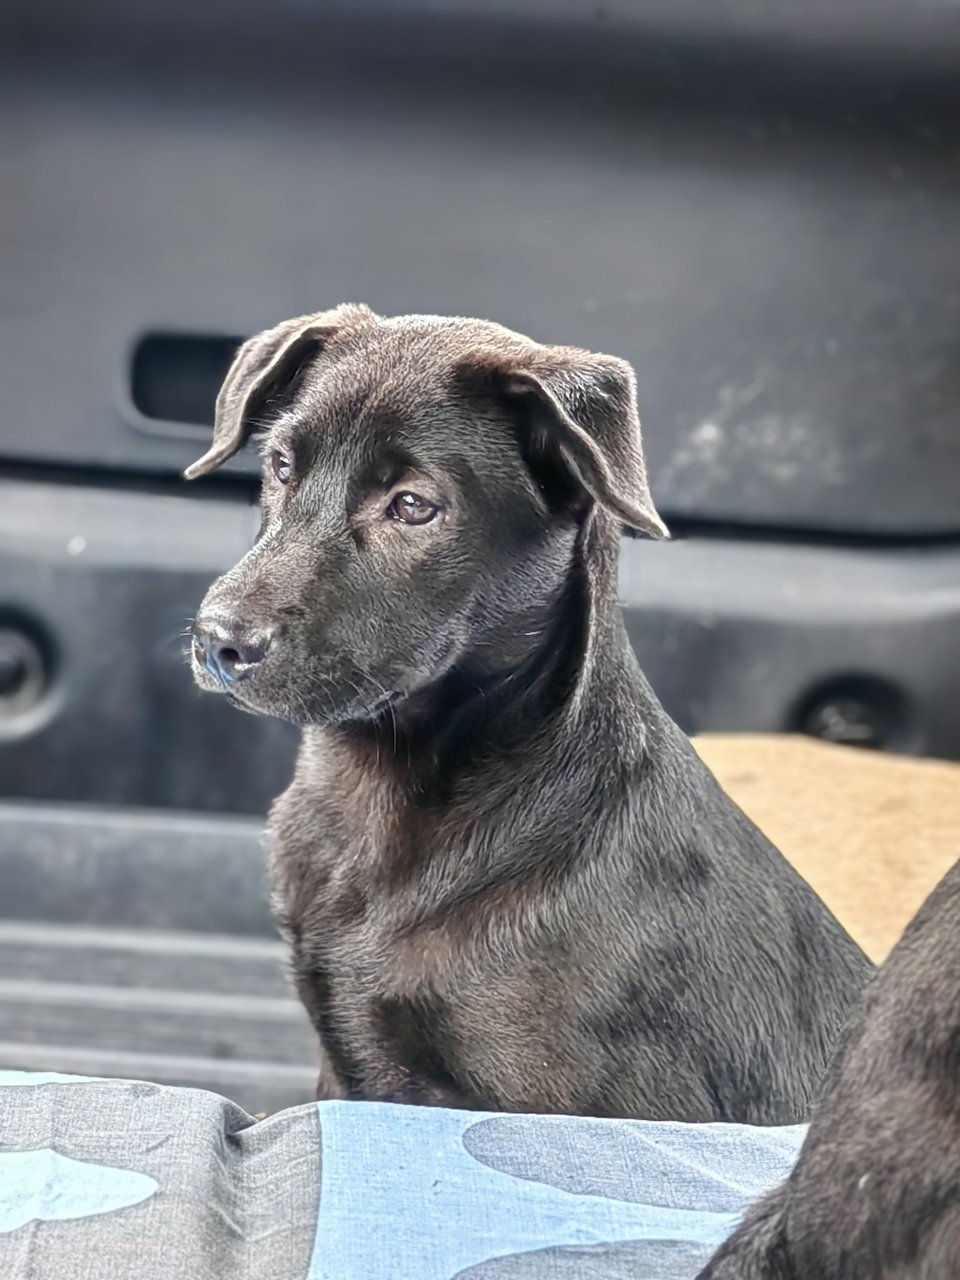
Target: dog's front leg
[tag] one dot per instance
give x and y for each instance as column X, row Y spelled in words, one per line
column 407, row 1056
column 419, row 1091
column 330, row 1088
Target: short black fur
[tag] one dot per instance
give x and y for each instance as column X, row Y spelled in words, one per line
column 507, row 879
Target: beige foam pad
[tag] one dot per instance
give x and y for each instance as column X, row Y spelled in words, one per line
column 871, row 832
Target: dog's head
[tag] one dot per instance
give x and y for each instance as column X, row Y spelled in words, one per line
column 424, row 483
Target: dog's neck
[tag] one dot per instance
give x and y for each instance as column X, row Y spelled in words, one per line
column 565, row 665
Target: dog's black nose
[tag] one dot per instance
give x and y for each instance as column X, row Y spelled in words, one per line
column 229, row 652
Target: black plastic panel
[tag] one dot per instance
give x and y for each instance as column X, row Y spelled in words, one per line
column 106, row 580
column 856, row 645
column 175, row 378
column 759, row 211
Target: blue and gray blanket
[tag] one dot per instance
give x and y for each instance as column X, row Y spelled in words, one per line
column 120, row 1180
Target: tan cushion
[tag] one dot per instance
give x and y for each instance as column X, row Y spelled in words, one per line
column 872, row 833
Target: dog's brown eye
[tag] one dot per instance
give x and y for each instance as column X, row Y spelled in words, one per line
column 410, row 508
column 282, row 466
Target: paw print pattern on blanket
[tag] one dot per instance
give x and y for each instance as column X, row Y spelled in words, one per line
column 114, row 1178
column 426, row 1194
column 44, row 1186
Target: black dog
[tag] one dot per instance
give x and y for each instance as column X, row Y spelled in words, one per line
column 506, row 877
column 875, row 1194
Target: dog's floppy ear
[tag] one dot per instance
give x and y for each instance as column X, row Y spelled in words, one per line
column 588, row 404
column 261, row 369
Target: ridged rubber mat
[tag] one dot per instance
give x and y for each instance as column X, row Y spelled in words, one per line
column 141, row 945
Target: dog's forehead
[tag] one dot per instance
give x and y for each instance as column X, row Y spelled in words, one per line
column 415, row 351
column 390, row 383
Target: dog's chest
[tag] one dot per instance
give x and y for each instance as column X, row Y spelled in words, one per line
column 349, row 890
column 360, row 933
column 406, row 977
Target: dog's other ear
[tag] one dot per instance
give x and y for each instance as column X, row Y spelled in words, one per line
column 262, row 369
column 585, row 406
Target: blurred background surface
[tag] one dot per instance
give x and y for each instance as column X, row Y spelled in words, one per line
column 756, row 203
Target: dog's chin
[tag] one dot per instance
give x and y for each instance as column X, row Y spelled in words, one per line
column 237, row 699
column 204, row 680
column 257, row 698
column 239, row 693
column 260, row 702
column 325, row 700
column 326, row 707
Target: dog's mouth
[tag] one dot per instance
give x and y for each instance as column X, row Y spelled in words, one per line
column 259, row 690
column 271, row 672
